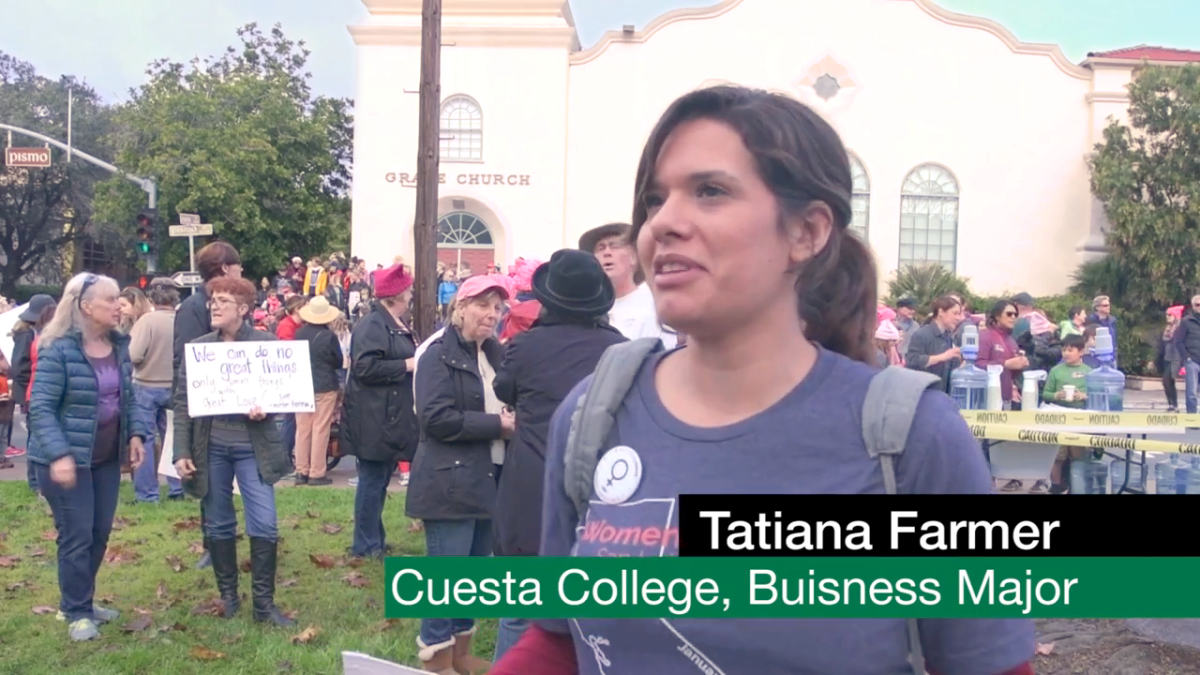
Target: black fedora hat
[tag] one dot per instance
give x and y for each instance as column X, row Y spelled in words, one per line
column 573, row 284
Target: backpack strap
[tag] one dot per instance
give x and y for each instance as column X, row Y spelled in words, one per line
column 594, row 416
column 887, row 418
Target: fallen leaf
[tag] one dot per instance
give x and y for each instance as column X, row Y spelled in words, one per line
column 120, row 523
column 306, row 636
column 119, row 554
column 139, row 624
column 142, row 610
column 312, row 514
column 285, row 666
column 211, row 607
column 288, row 583
column 388, row 625
column 293, row 523
column 1044, row 649
column 322, row 560
column 291, row 614
column 356, row 579
column 37, row 552
column 205, row 654
column 196, row 548
column 232, row 639
column 108, row 599
column 12, row 588
column 176, row 627
column 161, row 591
column 9, row 560
column 355, row 563
column 191, row 523
column 50, row 535
column 331, row 528
column 175, row 563
column 42, row 610
column 245, row 566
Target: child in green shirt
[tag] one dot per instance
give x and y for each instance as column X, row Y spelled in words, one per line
column 1072, row 372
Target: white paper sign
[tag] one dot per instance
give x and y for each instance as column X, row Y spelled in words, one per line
column 166, row 463
column 230, row 378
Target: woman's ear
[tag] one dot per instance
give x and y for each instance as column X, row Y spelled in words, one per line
column 808, row 232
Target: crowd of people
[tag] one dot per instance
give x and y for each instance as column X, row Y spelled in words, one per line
column 739, row 242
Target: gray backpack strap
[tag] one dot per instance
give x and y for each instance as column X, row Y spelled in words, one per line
column 887, row 417
column 595, row 414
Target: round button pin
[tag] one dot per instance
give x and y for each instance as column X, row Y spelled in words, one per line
column 618, row 475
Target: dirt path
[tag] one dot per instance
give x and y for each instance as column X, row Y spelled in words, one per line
column 1108, row 647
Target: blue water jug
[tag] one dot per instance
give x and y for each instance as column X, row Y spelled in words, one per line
column 1105, row 385
column 968, row 384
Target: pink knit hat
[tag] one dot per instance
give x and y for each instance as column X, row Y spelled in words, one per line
column 887, row 331
column 1176, row 311
column 392, row 281
column 521, row 272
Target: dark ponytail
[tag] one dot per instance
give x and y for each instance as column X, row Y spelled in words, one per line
column 802, row 160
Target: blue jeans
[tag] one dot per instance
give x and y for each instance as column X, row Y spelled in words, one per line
column 289, row 434
column 369, row 498
column 31, row 474
column 258, row 499
column 150, row 405
column 83, row 516
column 1191, row 371
column 453, row 538
column 510, row 631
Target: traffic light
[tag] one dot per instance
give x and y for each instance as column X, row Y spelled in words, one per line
column 147, row 233
column 143, row 282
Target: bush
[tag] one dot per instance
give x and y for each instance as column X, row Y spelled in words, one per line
column 924, row 284
column 22, row 294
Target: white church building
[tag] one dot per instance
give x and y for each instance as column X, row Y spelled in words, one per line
column 969, row 147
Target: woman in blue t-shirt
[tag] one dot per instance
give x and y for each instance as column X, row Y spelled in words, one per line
column 740, row 219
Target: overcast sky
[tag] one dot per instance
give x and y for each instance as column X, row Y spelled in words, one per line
column 110, row 42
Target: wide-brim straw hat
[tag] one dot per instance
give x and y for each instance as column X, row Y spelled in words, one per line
column 318, row 311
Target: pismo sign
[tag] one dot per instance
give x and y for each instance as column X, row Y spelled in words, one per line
column 497, row 179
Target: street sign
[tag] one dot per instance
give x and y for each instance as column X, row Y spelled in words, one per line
column 189, row 219
column 185, row 279
column 197, row 230
column 27, row 158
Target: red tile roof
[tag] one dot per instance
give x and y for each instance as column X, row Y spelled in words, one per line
column 1150, row 53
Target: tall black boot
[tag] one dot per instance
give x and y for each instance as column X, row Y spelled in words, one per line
column 264, row 556
column 225, row 566
column 206, row 559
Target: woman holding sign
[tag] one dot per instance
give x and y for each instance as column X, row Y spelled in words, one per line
column 211, row 451
column 741, row 221
column 81, row 432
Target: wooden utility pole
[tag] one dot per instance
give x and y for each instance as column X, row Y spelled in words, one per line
column 429, row 136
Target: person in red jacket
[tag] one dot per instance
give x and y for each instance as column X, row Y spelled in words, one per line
column 292, row 322
column 741, row 222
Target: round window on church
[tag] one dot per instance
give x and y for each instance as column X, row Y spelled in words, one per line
column 465, row 242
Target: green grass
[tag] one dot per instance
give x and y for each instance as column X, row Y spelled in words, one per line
column 348, row 618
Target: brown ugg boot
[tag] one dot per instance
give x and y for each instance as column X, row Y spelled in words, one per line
column 464, row 662
column 439, row 658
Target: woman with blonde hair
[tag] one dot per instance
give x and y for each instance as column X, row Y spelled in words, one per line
column 463, row 424
column 82, row 430
column 134, row 305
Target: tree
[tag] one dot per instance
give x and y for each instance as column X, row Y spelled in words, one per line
column 44, row 210
column 242, row 141
column 1147, row 174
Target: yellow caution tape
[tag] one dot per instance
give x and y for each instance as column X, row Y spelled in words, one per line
column 1000, row 432
column 1081, row 418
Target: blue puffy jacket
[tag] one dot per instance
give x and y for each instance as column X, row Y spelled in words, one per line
column 62, row 405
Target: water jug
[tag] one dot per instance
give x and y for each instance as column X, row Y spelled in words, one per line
column 1089, row 476
column 1166, row 477
column 1137, row 479
column 1105, row 385
column 969, row 383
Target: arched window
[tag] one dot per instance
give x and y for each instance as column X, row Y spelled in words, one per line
column 860, row 198
column 929, row 217
column 463, row 230
column 462, row 129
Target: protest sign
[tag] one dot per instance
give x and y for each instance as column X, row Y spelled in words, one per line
column 231, row 378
